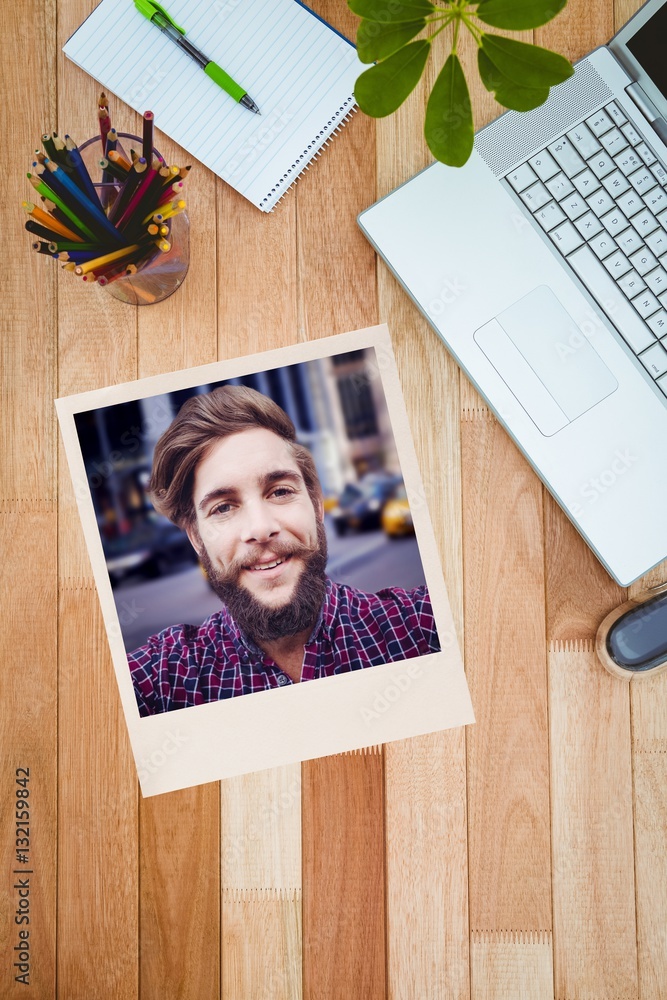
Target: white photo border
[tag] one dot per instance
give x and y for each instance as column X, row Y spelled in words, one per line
column 298, row 722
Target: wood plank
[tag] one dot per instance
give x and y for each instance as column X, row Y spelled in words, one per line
column 580, row 591
column 28, row 695
column 580, row 27
column 97, row 813
column 427, row 867
column 180, row 859
column 595, row 952
column 508, row 770
column 426, row 848
column 261, row 830
column 343, row 823
column 98, row 817
column 260, row 813
column 268, row 971
column 343, row 878
column 519, row 966
column 261, row 884
column 649, row 756
column 28, row 524
column 180, row 895
column 27, row 324
column 623, row 11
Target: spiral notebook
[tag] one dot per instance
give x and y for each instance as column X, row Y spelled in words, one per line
column 298, row 69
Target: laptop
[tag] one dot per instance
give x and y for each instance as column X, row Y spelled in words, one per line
column 542, row 265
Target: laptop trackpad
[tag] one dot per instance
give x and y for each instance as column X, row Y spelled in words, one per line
column 547, row 362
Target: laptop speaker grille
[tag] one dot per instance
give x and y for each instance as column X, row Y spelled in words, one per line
column 515, row 135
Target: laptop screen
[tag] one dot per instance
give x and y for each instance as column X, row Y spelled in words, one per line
column 648, row 46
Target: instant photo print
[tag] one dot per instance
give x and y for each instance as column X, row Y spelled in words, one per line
column 266, row 567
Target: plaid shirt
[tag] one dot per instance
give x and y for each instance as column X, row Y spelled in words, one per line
column 193, row 664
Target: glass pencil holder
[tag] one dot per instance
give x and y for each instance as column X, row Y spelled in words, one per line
column 159, row 273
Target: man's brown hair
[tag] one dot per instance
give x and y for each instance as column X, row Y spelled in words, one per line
column 200, row 422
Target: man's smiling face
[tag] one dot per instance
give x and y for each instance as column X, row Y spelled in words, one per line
column 257, row 527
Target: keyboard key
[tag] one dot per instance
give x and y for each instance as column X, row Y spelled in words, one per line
column 574, row 205
column 521, row 178
column 662, row 382
column 621, row 312
column 583, row 141
column 551, row 215
column 654, row 360
column 644, row 222
column 615, row 113
column 617, row 264
column 643, row 261
column 566, row 238
column 658, row 323
column 615, row 183
column 589, row 225
column 601, row 164
column 663, row 299
column 536, row 196
column 630, row 202
column 600, row 122
column 601, row 202
column 586, row 182
column 631, row 283
column 629, row 241
column 656, row 200
column 659, row 173
column 544, row 165
column 662, row 218
column 646, row 154
column 613, row 141
column 657, row 242
column 642, row 180
column 631, row 134
column 566, row 156
column 602, row 245
column 560, row 186
column 615, row 222
column 646, row 304
column 628, row 161
column 657, row 280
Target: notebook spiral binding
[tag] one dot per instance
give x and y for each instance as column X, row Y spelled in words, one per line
column 328, row 131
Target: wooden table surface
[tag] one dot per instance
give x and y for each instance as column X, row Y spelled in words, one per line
column 522, row 857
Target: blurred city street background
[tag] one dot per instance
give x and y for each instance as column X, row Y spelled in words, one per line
column 340, row 413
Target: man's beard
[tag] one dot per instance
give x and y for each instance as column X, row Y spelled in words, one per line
column 257, row 620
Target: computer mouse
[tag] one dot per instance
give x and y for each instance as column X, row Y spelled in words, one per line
column 632, row 640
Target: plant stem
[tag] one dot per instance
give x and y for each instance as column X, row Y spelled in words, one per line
column 476, row 32
column 450, row 18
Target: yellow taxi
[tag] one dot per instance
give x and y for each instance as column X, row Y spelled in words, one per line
column 396, row 515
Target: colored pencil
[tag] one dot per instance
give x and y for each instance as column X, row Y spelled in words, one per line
column 147, row 148
column 45, row 219
column 134, row 177
column 79, row 170
column 103, row 232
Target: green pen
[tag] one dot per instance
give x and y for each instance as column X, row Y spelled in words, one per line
column 161, row 19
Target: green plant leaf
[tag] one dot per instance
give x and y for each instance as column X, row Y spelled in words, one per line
column 448, row 127
column 383, row 88
column 509, row 94
column 391, row 10
column 518, row 14
column 376, row 41
column 527, row 65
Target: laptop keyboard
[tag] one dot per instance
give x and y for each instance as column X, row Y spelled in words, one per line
column 601, row 195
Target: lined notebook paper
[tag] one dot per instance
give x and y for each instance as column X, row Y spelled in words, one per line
column 300, row 72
